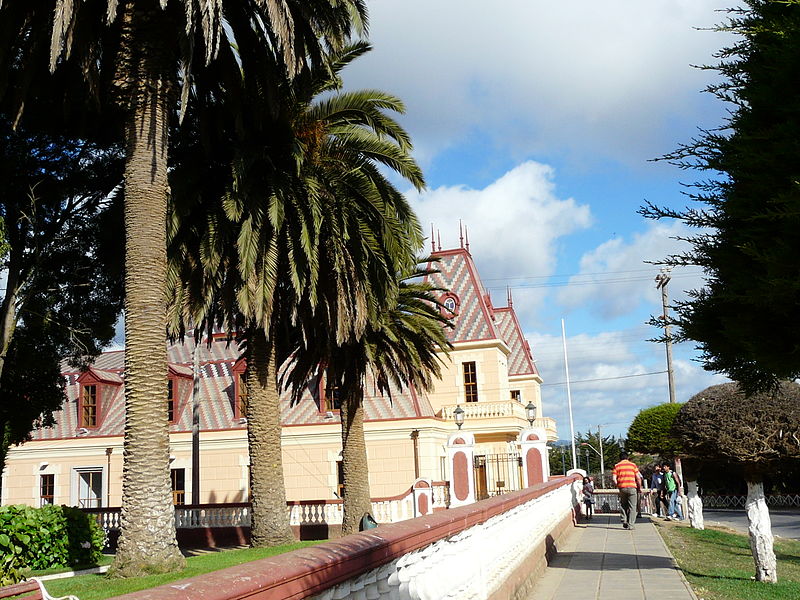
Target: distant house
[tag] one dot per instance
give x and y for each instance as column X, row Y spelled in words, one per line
column 490, row 374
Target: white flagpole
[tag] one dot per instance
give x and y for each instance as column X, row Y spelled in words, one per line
column 569, row 397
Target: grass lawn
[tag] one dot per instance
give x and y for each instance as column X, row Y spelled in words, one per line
column 106, row 559
column 97, row 587
column 719, row 566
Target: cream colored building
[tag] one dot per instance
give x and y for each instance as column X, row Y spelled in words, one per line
column 490, row 374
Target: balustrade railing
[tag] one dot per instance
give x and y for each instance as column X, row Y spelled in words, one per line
column 304, row 512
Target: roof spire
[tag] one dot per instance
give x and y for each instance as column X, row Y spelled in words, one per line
column 433, row 240
column 510, row 299
column 466, row 231
column 460, row 234
column 439, row 240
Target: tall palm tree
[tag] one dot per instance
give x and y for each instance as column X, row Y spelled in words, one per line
column 299, row 167
column 141, row 53
column 401, row 347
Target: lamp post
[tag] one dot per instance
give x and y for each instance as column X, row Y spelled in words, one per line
column 602, row 461
column 587, row 461
column 458, row 415
column 530, row 413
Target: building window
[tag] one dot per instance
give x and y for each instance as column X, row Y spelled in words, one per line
column 47, row 487
column 89, row 406
column 90, row 489
column 339, row 479
column 241, row 395
column 470, row 382
column 516, row 395
column 178, row 477
column 171, row 400
column 331, row 399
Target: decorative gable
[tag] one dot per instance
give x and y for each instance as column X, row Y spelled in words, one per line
column 95, row 389
column 457, row 273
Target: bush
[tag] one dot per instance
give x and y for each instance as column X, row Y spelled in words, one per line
column 651, row 431
column 42, row 538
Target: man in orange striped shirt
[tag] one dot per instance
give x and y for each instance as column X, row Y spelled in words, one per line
column 628, row 480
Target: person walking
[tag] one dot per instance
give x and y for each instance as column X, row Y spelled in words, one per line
column 588, row 496
column 657, row 490
column 628, row 479
column 672, row 489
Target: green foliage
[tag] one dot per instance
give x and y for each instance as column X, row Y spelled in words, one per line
column 744, row 319
column 651, row 431
column 758, row 431
column 42, row 538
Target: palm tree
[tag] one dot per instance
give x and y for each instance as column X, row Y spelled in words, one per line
column 141, row 53
column 250, row 263
column 400, row 348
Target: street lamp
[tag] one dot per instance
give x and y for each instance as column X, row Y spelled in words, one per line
column 587, row 461
column 530, row 413
column 602, row 461
column 458, row 415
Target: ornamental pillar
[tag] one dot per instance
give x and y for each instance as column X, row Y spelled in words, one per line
column 533, row 448
column 460, row 458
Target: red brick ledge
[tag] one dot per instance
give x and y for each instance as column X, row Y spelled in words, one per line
column 309, row 571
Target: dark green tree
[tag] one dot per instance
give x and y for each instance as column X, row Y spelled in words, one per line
column 752, row 432
column 744, row 319
column 650, row 432
column 63, row 266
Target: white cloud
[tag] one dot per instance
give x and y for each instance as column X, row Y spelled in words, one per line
column 618, row 365
column 583, row 78
column 615, row 278
column 514, row 223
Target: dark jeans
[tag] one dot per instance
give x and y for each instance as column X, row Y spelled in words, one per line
column 627, row 505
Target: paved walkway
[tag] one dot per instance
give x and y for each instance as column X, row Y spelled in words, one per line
column 603, row 560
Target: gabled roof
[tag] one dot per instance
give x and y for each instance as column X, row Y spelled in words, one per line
column 474, row 312
column 217, row 396
column 520, row 362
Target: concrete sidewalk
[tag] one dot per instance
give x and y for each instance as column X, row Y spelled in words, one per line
column 602, row 560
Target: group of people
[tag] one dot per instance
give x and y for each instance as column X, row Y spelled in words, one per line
column 664, row 485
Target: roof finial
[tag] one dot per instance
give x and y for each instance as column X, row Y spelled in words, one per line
column 439, row 240
column 466, row 232
column 510, row 299
column 460, row 234
column 433, row 240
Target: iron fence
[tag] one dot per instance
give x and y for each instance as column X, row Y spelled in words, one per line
column 497, row 474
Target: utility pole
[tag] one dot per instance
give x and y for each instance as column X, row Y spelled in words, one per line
column 196, row 421
column 662, row 279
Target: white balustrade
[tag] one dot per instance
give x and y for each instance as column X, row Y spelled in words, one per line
column 470, row 565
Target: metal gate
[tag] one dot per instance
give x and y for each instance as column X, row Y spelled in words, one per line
column 497, row 474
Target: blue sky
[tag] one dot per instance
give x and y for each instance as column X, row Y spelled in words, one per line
column 535, row 123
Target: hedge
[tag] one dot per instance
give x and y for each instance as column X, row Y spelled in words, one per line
column 42, row 538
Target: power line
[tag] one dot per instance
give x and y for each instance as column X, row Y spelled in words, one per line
column 605, row 378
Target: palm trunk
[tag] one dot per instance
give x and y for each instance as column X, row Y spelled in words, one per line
column 357, row 500
column 760, row 529
column 270, row 518
column 147, row 542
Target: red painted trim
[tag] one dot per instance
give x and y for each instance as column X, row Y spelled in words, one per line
column 415, row 400
column 309, row 571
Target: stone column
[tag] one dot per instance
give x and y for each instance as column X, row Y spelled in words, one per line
column 460, row 457
column 422, row 492
column 533, row 448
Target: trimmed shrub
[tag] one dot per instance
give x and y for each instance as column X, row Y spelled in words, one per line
column 42, row 538
column 651, row 431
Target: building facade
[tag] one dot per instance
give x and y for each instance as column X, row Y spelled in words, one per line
column 490, row 374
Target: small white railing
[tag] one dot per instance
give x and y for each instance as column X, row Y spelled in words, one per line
column 306, row 512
